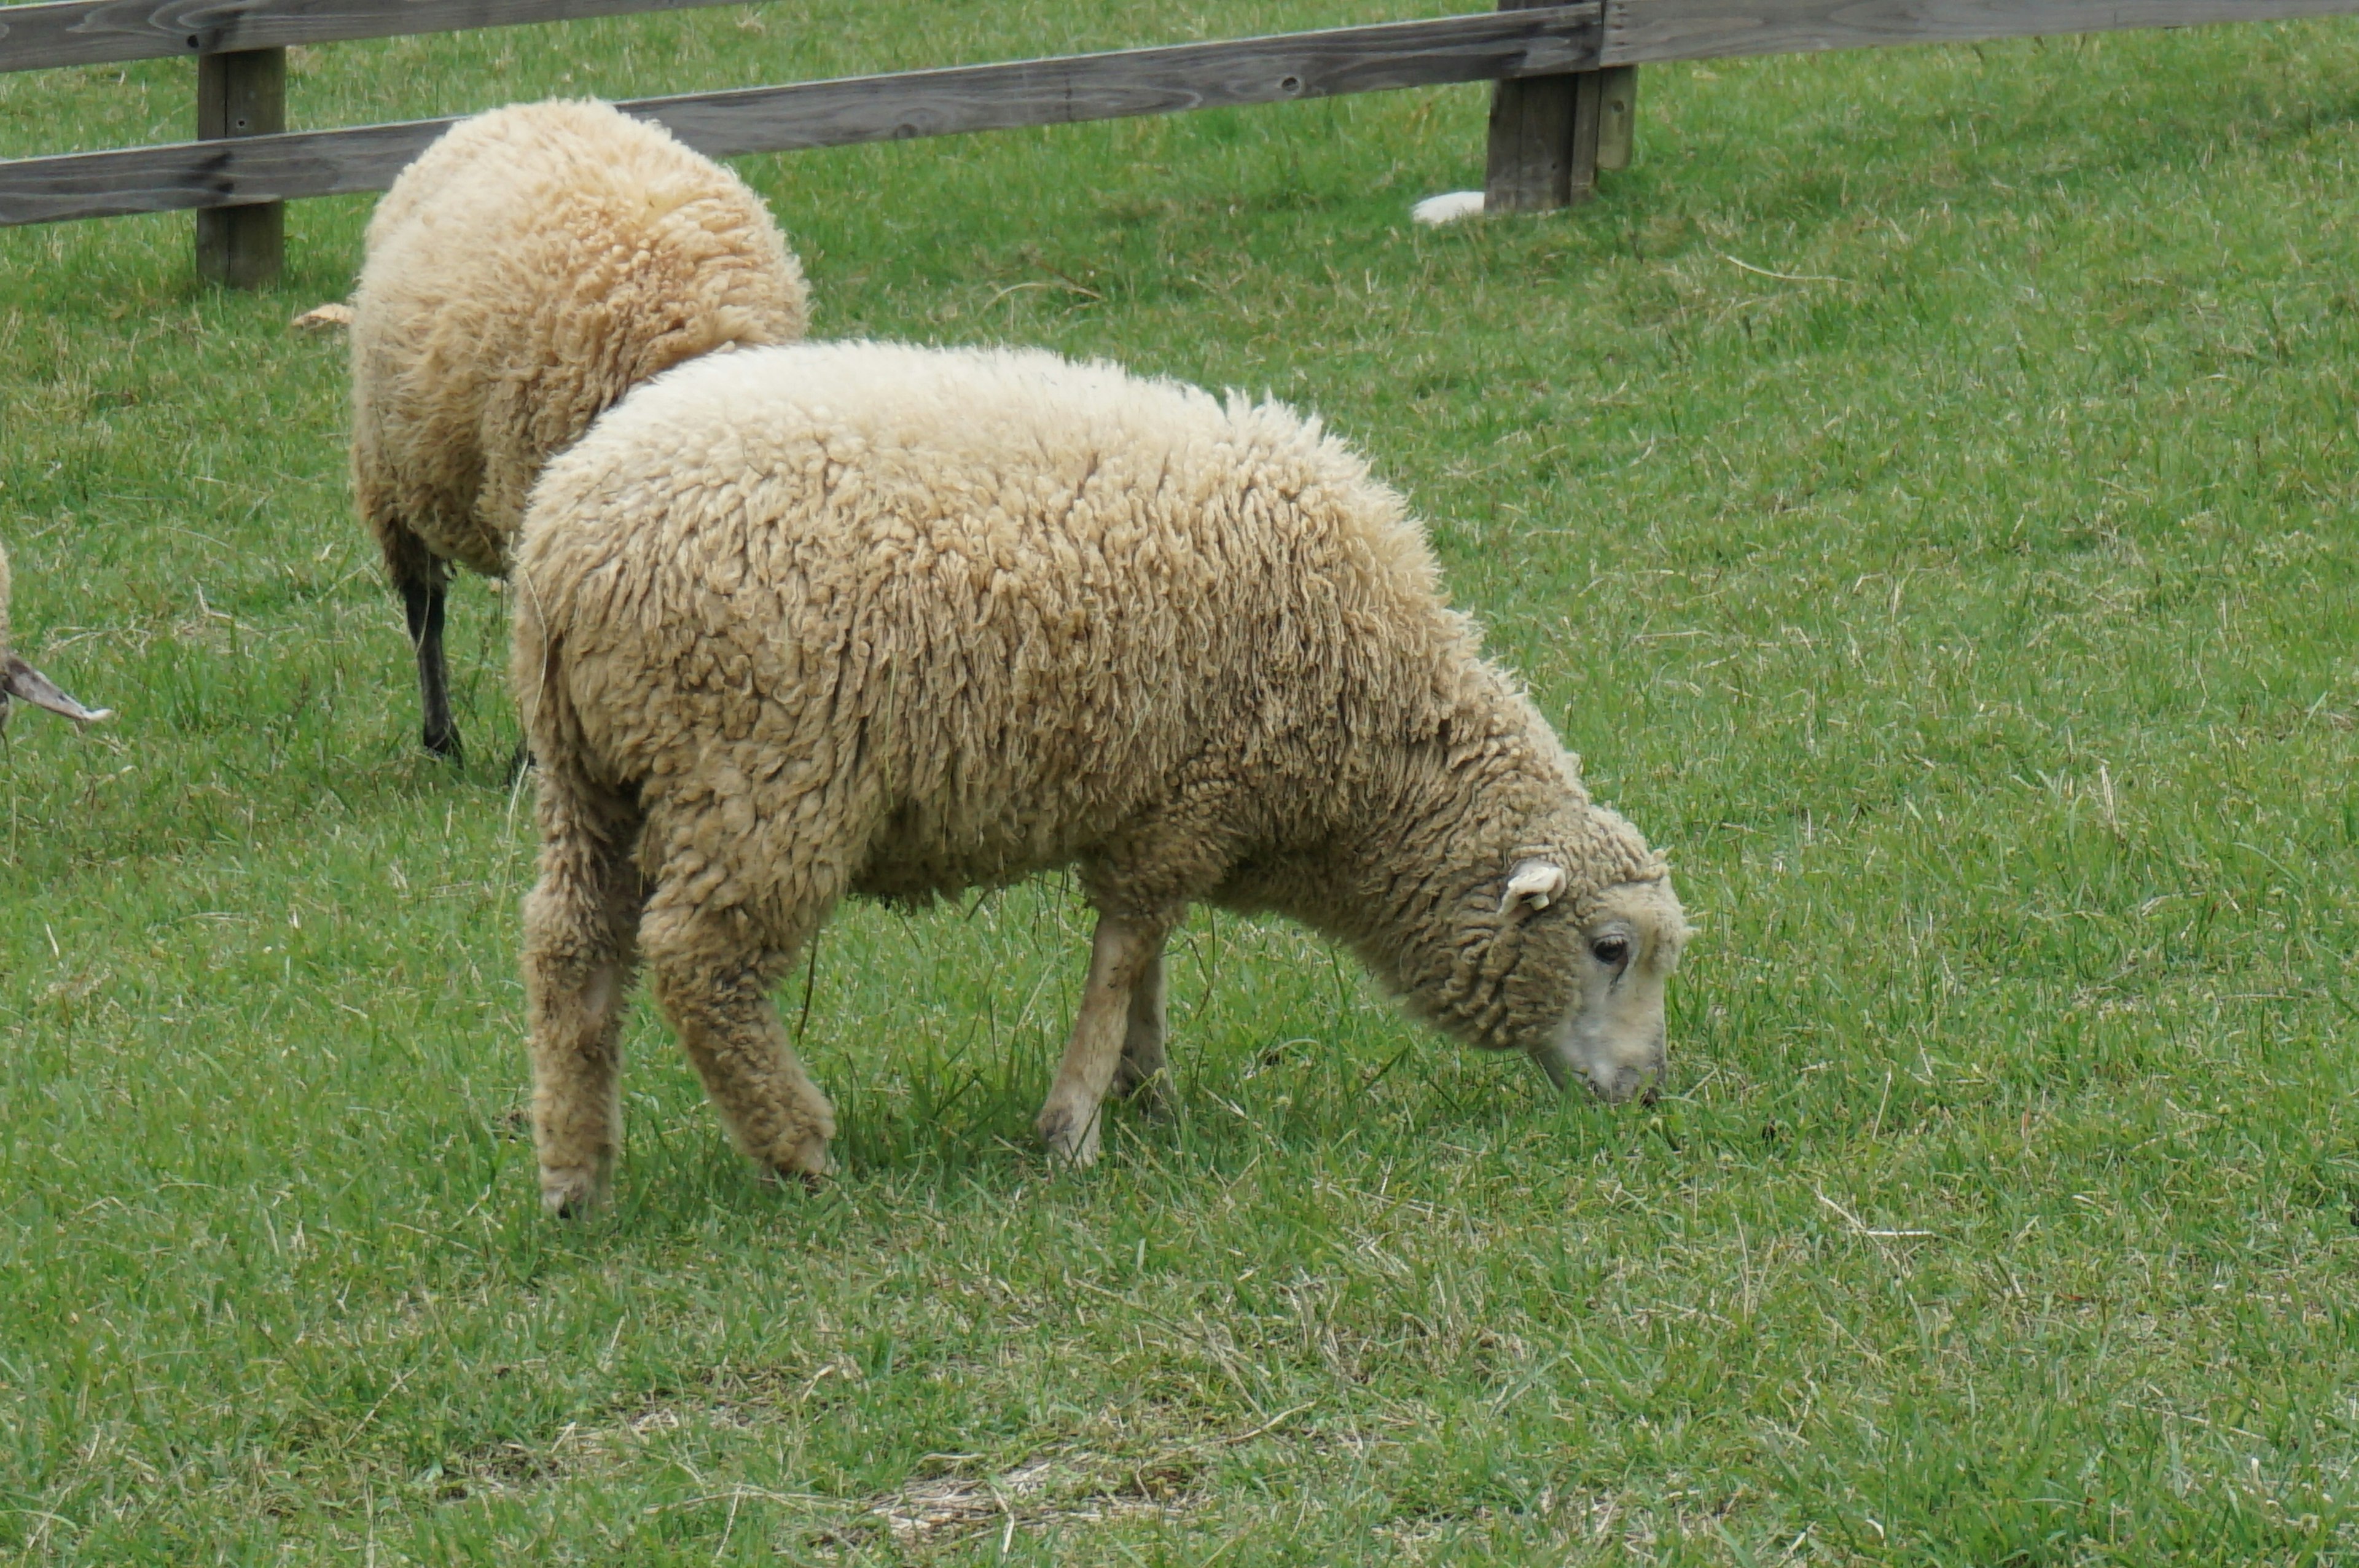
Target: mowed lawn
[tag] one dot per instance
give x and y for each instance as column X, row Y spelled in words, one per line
column 1923, row 490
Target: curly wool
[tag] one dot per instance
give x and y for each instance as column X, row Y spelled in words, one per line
column 529, row 267
column 865, row 619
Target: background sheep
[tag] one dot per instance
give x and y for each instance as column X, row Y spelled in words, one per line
column 530, row 266
column 856, row 618
column 19, row 679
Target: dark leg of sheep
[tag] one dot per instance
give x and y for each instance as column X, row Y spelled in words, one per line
column 1145, row 1072
column 1125, row 961
column 715, row 990
column 417, row 574
column 421, row 599
column 580, row 933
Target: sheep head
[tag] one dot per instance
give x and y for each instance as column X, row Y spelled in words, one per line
column 1624, row 943
column 19, row 679
column 1559, row 946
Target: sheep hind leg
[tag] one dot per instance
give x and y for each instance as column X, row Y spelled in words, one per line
column 423, row 594
column 580, row 945
column 717, row 996
column 1145, row 1072
column 1123, row 954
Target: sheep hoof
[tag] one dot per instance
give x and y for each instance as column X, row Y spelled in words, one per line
column 1152, row 1094
column 805, row 1165
column 444, row 743
column 1073, row 1139
column 571, row 1191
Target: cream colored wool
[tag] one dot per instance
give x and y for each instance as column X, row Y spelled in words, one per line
column 801, row 623
column 19, row 679
column 533, row 264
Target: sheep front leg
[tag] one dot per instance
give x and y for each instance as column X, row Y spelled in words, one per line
column 1125, row 958
column 717, row 995
column 1144, row 1071
column 578, row 956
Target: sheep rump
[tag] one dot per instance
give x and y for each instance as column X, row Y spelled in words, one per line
column 801, row 623
column 530, row 266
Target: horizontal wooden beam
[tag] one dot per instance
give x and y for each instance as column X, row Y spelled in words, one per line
column 96, row 32
column 1491, row 47
column 1639, row 32
column 89, row 32
column 853, row 109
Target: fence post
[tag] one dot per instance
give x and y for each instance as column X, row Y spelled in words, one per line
column 1550, row 135
column 1617, row 116
column 241, row 93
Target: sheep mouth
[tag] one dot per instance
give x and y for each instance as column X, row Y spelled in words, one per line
column 1629, row 1085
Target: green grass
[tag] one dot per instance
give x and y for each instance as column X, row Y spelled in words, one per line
column 1922, row 488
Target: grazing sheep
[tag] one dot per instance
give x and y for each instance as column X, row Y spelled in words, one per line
column 856, row 618
column 533, row 264
column 18, row 678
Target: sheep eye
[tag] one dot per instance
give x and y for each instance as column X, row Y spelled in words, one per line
column 1611, row 951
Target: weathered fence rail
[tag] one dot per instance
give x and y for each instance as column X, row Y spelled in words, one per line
column 856, row 109
column 103, row 32
column 1561, row 109
column 1642, row 32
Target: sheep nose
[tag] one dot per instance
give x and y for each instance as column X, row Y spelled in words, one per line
column 1625, row 1083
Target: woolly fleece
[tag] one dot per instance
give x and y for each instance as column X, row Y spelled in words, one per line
column 801, row 622
column 531, row 265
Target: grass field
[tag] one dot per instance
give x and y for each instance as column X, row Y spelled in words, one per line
column 1923, row 490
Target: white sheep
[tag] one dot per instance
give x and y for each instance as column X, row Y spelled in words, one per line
column 534, row 263
column 19, row 679
column 794, row 623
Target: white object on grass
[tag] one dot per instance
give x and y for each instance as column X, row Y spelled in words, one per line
column 1449, row 207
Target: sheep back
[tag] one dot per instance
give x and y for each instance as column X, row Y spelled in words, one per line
column 532, row 265
column 944, row 618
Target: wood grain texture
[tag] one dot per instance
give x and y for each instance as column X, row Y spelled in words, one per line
column 1617, row 116
column 1134, row 81
column 1526, row 161
column 858, row 109
column 1531, row 133
column 94, row 32
column 1638, row 31
column 210, row 173
column 242, row 94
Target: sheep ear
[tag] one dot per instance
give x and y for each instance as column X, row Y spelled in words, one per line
column 18, row 678
column 1539, row 880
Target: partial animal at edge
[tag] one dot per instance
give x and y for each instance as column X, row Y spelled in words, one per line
column 533, row 264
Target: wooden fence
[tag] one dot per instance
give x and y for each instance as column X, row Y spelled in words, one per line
column 1562, row 108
